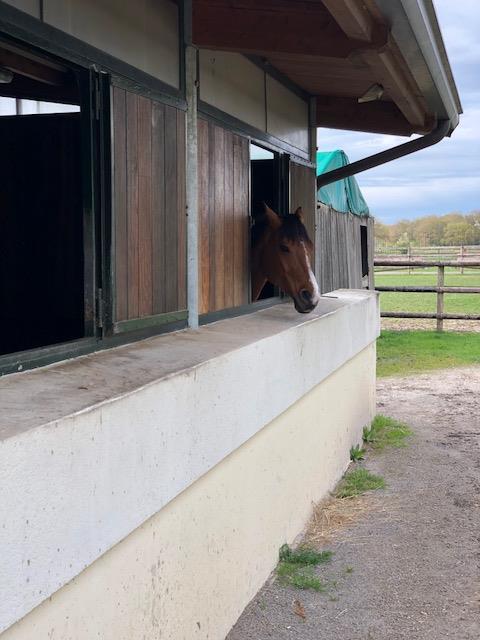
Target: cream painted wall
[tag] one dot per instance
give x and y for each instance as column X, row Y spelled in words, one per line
column 143, row 33
column 231, row 83
column 189, row 571
column 287, row 115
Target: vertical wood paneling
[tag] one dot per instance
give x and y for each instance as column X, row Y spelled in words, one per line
column 145, row 221
column 223, row 213
column 132, row 204
column 229, row 222
column 181, row 206
column 244, row 242
column 338, row 258
column 303, row 194
column 120, row 201
column 149, row 206
column 203, row 215
column 158, row 208
column 219, row 204
column 171, row 209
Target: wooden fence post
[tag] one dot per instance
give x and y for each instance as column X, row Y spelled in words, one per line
column 462, row 254
column 440, row 283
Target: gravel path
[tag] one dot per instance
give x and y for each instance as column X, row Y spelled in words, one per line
column 425, row 324
column 410, row 566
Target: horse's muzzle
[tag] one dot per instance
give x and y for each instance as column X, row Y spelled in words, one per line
column 304, row 302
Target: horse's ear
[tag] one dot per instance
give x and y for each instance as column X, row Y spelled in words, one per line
column 299, row 213
column 273, row 219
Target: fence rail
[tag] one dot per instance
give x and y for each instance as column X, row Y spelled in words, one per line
column 440, row 289
column 468, row 253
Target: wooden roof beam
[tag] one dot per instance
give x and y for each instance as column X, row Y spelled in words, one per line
column 353, row 17
column 31, row 69
column 374, row 117
column 391, row 75
column 356, row 22
column 262, row 27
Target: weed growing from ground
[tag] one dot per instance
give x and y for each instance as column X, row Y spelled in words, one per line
column 357, row 453
column 296, row 567
column 303, row 555
column 357, row 482
column 386, row 432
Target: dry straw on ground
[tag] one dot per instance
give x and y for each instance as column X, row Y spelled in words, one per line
column 333, row 515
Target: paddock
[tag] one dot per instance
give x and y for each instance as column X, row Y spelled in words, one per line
column 160, row 427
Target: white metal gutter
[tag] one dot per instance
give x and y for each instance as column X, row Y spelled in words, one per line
column 416, row 31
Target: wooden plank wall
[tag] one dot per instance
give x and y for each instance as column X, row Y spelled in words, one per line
column 338, row 257
column 149, row 206
column 303, row 193
column 223, row 175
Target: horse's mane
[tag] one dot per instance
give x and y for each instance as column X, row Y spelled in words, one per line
column 292, row 229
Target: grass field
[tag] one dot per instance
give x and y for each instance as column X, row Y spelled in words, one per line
column 401, row 353
column 426, row 302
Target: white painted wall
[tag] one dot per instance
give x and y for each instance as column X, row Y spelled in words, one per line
column 107, row 441
column 287, row 115
column 144, row 33
column 233, row 84
column 188, row 572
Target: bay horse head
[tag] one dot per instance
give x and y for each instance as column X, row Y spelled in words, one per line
column 282, row 256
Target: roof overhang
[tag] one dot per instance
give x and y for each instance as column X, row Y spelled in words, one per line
column 336, row 50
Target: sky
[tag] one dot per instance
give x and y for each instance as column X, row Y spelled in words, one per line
column 442, row 178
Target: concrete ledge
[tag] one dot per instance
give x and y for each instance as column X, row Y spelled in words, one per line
column 92, row 448
column 188, row 572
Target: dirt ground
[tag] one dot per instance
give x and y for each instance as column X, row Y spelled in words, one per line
column 409, row 567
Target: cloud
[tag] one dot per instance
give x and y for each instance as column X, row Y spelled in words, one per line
column 444, row 177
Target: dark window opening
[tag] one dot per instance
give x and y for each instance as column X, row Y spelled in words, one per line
column 264, row 187
column 41, row 208
column 364, row 249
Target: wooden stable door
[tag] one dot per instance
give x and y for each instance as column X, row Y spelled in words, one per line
column 149, row 215
column 223, row 180
column 303, row 193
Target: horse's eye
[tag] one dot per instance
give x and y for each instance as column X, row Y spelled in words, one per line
column 284, row 248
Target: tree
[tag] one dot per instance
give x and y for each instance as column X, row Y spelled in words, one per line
column 457, row 233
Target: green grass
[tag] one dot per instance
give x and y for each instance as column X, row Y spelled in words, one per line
column 402, row 353
column 303, row 555
column 357, row 453
column 386, row 432
column 357, row 482
column 300, row 577
column 296, row 567
column 464, row 303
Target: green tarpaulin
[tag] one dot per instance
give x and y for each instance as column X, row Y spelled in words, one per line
column 343, row 195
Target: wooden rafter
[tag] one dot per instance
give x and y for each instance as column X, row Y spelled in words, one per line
column 262, row 27
column 31, row 69
column 387, row 66
column 374, row 117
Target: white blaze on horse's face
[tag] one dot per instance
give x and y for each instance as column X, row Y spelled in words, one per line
column 313, row 280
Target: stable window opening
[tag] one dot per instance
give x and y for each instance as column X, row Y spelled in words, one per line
column 265, row 187
column 364, row 249
column 42, row 280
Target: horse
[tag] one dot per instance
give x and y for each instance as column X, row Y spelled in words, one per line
column 281, row 252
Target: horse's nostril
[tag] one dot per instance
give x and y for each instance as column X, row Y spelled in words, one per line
column 306, row 295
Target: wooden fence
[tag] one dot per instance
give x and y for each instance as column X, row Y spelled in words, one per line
column 465, row 253
column 440, row 289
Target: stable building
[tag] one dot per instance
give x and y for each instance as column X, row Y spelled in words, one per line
column 159, row 428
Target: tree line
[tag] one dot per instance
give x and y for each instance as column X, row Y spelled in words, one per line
column 451, row 229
